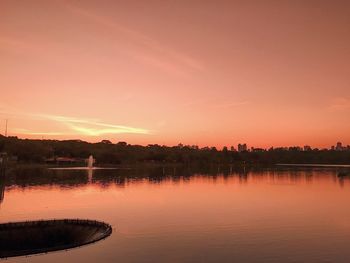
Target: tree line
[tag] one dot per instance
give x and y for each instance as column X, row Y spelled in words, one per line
column 105, row 152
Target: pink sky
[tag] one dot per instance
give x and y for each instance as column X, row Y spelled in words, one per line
column 216, row 73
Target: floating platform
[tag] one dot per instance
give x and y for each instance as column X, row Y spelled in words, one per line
column 34, row 237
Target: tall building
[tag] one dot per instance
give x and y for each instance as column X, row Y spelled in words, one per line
column 339, row 146
column 242, row 147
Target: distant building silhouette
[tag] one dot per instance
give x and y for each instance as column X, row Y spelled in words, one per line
column 339, row 146
column 242, row 147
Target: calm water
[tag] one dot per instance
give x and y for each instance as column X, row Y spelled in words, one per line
column 285, row 216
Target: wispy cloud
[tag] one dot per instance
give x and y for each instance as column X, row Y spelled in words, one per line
column 72, row 125
column 141, row 47
column 29, row 132
column 156, row 54
column 93, row 127
column 103, row 131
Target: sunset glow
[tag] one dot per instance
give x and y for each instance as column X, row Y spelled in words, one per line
column 266, row 73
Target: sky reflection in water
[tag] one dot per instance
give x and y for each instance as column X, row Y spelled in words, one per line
column 175, row 215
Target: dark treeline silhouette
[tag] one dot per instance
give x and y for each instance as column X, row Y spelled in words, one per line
column 39, row 151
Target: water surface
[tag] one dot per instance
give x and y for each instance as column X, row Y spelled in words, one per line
column 176, row 216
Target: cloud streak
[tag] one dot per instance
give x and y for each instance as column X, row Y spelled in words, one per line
column 29, row 132
column 93, row 127
column 76, row 126
column 107, row 128
column 156, row 53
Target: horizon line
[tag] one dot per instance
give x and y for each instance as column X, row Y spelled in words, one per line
column 232, row 147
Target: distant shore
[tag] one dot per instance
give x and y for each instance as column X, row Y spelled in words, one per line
column 314, row 165
column 122, row 154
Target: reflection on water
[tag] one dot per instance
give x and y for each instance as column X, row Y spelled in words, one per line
column 121, row 177
column 182, row 214
column 2, row 191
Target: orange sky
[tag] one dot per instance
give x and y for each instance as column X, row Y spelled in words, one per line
column 197, row 72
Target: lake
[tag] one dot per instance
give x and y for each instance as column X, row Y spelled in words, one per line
column 175, row 215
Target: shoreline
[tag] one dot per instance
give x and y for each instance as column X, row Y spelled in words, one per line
column 314, row 165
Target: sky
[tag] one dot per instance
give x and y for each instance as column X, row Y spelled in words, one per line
column 266, row 73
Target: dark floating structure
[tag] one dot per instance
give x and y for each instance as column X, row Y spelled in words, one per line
column 33, row 237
